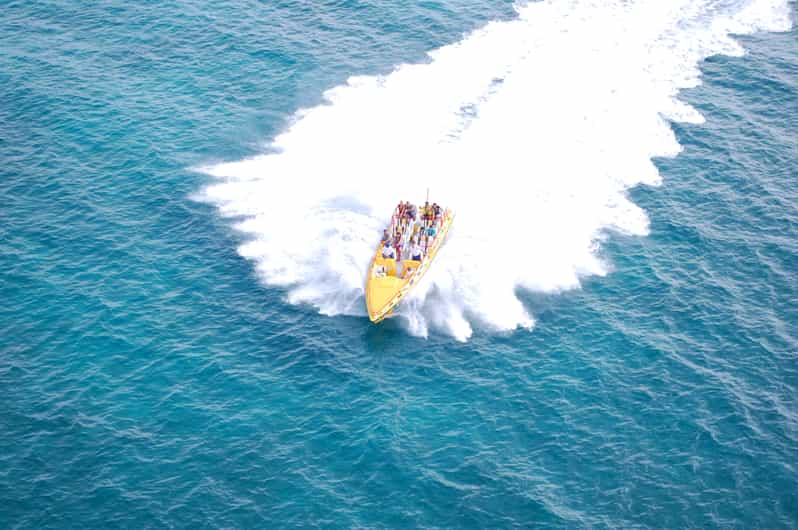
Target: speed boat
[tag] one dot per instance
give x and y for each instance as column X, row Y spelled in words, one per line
column 390, row 279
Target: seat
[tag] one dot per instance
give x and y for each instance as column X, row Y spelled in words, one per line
column 408, row 266
column 388, row 263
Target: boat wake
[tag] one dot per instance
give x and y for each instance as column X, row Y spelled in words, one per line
column 532, row 129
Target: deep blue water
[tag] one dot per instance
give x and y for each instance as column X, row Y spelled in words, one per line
column 148, row 379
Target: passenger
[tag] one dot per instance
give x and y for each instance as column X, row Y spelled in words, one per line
column 416, row 252
column 388, row 251
column 385, row 236
column 437, row 211
column 432, row 231
column 411, row 211
column 426, row 213
column 397, row 244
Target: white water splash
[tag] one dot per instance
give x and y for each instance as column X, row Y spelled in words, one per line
column 532, row 130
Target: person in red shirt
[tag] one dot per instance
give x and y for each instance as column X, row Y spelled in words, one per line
column 397, row 244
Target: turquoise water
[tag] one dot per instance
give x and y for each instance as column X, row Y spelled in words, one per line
column 171, row 356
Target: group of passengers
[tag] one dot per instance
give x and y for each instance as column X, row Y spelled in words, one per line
column 404, row 222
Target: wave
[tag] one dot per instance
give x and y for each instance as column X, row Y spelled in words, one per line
column 532, row 129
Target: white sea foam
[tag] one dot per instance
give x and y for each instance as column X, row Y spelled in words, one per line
column 531, row 129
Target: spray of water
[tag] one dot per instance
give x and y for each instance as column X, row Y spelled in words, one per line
column 532, row 130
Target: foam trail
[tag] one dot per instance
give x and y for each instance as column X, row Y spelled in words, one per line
column 532, row 129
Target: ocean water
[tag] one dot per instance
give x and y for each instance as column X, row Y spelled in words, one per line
column 189, row 195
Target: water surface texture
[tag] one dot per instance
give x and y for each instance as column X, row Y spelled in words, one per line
column 189, row 196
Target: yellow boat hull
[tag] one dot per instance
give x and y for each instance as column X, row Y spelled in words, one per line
column 383, row 293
